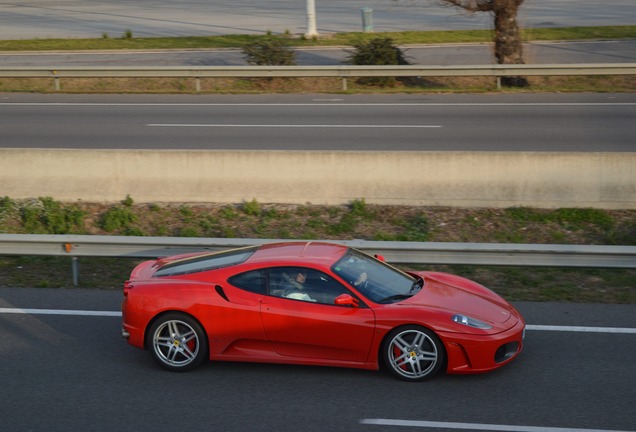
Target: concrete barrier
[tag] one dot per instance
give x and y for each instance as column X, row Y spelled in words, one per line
column 462, row 179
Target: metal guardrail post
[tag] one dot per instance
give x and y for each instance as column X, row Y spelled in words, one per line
column 75, row 270
column 56, row 81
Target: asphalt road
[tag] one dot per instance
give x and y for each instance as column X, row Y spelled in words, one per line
column 494, row 122
column 28, row 19
column 616, row 51
column 74, row 372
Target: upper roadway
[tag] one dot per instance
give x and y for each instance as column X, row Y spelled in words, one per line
column 524, row 122
column 22, row 19
column 611, row 51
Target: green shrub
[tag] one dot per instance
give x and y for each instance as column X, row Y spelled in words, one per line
column 7, row 207
column 117, row 219
column 575, row 217
column 228, row 212
column 252, row 208
column 128, row 201
column 379, row 51
column 358, row 207
column 31, row 220
column 417, row 229
column 624, row 235
column 189, row 231
column 53, row 216
column 47, row 216
column 133, row 231
column 346, row 225
column 186, row 212
column 6, row 204
column 270, row 51
column 527, row 214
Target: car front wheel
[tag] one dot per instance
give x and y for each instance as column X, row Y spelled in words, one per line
column 413, row 353
column 177, row 342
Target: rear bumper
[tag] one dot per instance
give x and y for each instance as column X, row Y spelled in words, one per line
column 476, row 354
column 132, row 325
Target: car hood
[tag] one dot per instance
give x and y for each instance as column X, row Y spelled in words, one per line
column 459, row 295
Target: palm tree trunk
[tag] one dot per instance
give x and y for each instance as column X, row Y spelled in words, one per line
column 508, row 44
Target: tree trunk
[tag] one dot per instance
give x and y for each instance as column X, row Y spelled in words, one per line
column 508, row 44
column 508, row 47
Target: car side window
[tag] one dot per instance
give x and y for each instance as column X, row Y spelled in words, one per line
column 300, row 283
column 254, row 281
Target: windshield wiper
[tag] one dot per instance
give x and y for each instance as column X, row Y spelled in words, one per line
column 390, row 299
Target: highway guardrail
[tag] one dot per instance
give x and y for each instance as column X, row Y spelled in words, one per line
column 498, row 254
column 340, row 71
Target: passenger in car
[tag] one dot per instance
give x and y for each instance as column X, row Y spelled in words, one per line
column 296, row 287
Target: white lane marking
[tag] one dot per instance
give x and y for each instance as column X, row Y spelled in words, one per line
column 476, row 426
column 288, row 126
column 582, row 329
column 321, row 104
column 59, row 312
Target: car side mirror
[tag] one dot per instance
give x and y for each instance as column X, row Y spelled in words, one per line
column 346, row 300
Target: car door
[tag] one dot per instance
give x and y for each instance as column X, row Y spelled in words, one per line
column 237, row 329
column 312, row 326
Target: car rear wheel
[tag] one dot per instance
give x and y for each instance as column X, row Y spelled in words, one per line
column 177, row 342
column 413, row 353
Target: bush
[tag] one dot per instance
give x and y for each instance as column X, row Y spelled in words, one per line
column 47, row 216
column 271, row 51
column 359, row 208
column 417, row 229
column 7, row 207
column 251, row 208
column 574, row 218
column 117, row 218
column 377, row 52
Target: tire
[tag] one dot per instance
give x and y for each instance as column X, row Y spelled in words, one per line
column 177, row 342
column 413, row 353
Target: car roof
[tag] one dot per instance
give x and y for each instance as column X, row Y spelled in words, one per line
column 302, row 252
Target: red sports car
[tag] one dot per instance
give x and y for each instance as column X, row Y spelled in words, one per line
column 315, row 303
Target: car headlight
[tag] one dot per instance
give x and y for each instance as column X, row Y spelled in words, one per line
column 470, row 322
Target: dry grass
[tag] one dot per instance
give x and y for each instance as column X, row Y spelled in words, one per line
column 312, row 85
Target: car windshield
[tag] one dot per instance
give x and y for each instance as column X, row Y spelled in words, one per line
column 374, row 279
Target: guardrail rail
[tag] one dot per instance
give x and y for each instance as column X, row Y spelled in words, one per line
column 340, row 71
column 500, row 254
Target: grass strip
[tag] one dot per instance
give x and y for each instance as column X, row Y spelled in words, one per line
column 129, row 42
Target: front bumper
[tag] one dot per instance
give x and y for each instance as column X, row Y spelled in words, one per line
column 469, row 353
